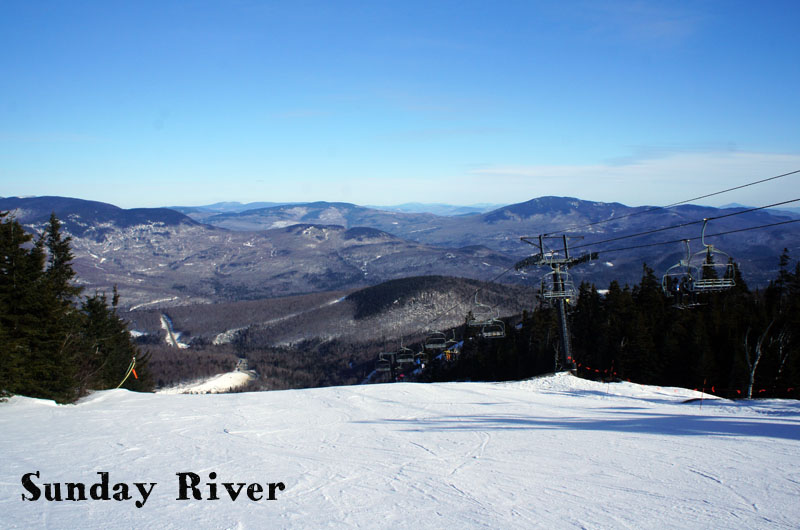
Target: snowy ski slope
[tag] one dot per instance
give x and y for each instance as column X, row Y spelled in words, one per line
column 552, row 452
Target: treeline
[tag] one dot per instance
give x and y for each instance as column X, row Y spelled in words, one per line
column 734, row 343
column 54, row 342
column 311, row 363
column 170, row 366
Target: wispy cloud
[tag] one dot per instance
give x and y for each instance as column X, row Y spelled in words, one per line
column 646, row 23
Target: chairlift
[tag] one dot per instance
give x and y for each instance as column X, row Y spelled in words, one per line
column 680, row 277
column 557, row 285
column 383, row 365
column 481, row 315
column 496, row 329
column 715, row 268
column 387, row 356
column 404, row 356
column 436, row 341
column 451, row 351
column 385, row 361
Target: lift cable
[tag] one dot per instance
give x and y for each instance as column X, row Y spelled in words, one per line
column 572, row 228
column 694, row 238
column 681, row 225
column 478, row 290
column 656, row 208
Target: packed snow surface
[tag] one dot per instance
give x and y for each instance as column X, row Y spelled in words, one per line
column 552, row 452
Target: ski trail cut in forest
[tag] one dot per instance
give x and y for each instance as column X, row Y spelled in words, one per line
column 172, row 336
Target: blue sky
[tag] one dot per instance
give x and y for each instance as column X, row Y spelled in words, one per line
column 164, row 103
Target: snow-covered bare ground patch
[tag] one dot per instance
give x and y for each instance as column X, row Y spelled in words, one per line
column 218, row 384
column 552, row 452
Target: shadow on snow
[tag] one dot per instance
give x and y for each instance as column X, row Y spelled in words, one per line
column 634, row 422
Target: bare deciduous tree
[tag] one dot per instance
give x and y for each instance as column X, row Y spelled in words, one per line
column 755, row 358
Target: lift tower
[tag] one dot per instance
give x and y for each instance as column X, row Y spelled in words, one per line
column 557, row 286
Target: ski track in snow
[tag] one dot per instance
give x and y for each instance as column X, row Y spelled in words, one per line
column 551, row 452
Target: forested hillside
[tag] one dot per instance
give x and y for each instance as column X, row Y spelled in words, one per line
column 734, row 343
column 316, row 339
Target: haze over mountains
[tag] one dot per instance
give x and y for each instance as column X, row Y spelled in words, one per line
column 227, row 252
column 410, row 207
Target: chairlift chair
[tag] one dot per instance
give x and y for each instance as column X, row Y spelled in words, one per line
column 678, row 287
column 715, row 269
column 451, row 351
column 494, row 330
column 557, row 285
column 388, row 357
column 436, row 341
column 713, row 275
column 383, row 365
column 481, row 315
column 385, row 361
column 680, row 277
column 404, row 356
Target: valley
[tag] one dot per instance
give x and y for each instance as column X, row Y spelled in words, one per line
column 307, row 339
column 309, row 294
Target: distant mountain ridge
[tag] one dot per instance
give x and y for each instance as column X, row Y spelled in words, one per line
column 201, row 213
column 81, row 215
column 157, row 254
column 345, row 214
column 446, row 210
column 230, row 206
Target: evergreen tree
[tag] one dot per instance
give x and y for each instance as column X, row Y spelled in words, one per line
column 618, row 310
column 59, row 272
column 19, row 270
column 649, row 326
column 109, row 348
column 587, row 328
column 35, row 350
column 49, row 347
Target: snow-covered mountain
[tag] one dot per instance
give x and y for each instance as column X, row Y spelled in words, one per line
column 162, row 256
column 587, row 222
column 158, row 254
column 553, row 452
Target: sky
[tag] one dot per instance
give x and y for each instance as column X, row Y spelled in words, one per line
column 154, row 103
